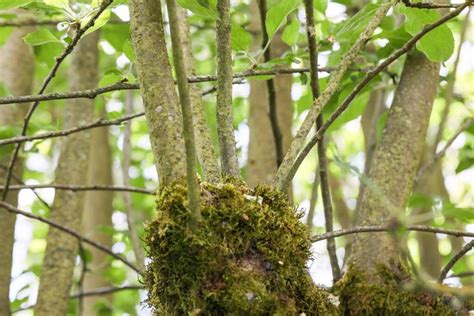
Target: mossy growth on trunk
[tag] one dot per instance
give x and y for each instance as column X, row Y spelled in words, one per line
column 395, row 295
column 247, row 257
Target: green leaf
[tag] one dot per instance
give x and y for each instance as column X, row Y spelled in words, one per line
column 351, row 29
column 12, row 4
column 40, row 37
column 276, row 16
column 99, row 22
column 291, row 33
column 321, row 5
column 198, row 7
column 438, row 44
column 5, row 34
column 111, row 76
column 241, row 39
column 128, row 51
column 465, row 214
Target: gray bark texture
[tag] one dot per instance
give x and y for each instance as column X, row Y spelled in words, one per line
column 61, row 249
column 158, row 91
column 394, row 165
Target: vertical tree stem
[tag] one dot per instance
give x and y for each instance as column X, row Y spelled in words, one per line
column 225, row 130
column 185, row 100
column 272, row 101
column 323, row 173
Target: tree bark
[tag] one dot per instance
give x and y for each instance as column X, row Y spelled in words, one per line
column 97, row 214
column 394, row 165
column 17, row 66
column 61, row 249
column 158, row 91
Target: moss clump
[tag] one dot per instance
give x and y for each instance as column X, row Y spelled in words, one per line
column 389, row 298
column 248, row 256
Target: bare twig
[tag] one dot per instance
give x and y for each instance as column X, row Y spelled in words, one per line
column 93, row 93
column 272, row 98
column 391, row 228
column 12, row 209
column 52, row 73
column 323, row 172
column 66, row 132
column 421, row 5
column 461, row 275
column 467, row 123
column 289, row 173
column 76, row 188
column 465, row 249
column 106, row 290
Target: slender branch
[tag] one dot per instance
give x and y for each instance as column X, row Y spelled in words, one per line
column 125, row 164
column 421, row 5
column 194, row 193
column 106, row 290
column 21, row 23
column 52, row 73
column 289, row 173
column 467, row 123
column 10, row 208
column 271, row 90
column 282, row 179
column 77, row 188
column 390, row 228
column 93, row 93
column 450, row 85
column 323, row 168
column 461, row 275
column 66, row 132
column 465, row 249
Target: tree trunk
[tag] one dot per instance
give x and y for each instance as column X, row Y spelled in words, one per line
column 262, row 165
column 17, row 66
column 394, row 165
column 158, row 90
column 61, row 249
column 97, row 214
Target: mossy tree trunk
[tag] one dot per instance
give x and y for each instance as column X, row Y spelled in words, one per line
column 392, row 172
column 17, row 66
column 97, row 214
column 62, row 249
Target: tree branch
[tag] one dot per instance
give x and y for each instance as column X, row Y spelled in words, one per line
column 465, row 249
column 93, row 93
column 77, row 188
column 390, row 228
column 282, row 178
column 323, row 168
column 272, row 98
column 66, row 132
column 421, row 5
column 10, row 208
column 106, row 290
column 286, row 174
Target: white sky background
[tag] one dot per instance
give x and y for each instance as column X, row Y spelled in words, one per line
column 320, row 267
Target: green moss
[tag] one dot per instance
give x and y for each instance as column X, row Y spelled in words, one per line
column 358, row 297
column 248, row 256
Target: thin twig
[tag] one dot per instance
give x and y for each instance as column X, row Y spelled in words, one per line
column 467, row 123
column 77, row 188
column 271, row 90
column 421, row 5
column 465, row 249
column 30, row 22
column 93, row 93
column 52, row 73
column 290, row 172
column 461, row 275
column 66, row 132
column 12, row 209
column 391, row 228
column 323, row 168
column 106, row 290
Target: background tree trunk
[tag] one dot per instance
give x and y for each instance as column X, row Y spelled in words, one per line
column 61, row 249
column 97, row 215
column 394, row 164
column 262, row 165
column 17, row 66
